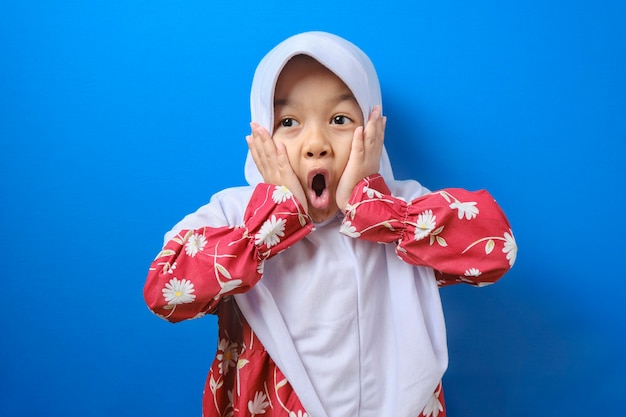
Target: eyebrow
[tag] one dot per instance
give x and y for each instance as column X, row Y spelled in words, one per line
column 340, row 98
column 346, row 97
column 280, row 102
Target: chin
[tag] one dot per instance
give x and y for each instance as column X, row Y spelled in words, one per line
column 319, row 216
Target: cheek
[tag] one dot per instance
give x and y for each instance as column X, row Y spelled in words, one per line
column 292, row 152
column 342, row 152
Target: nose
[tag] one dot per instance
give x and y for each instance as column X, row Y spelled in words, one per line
column 316, row 143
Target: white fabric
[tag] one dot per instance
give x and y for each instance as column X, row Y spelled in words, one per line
column 343, row 58
column 356, row 331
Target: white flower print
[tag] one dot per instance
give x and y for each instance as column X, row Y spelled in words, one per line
column 271, row 232
column 195, row 244
column 510, row 247
column 228, row 286
column 229, row 407
column 433, row 407
column 198, row 316
column 300, row 414
column 434, row 237
column 169, row 268
column 178, row 291
column 349, row 230
column 215, row 385
column 468, row 209
column 425, row 224
column 350, row 210
column 371, row 193
column 281, row 194
column 472, row 272
column 227, row 356
column 258, row 405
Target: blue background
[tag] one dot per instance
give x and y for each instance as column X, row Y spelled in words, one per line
column 119, row 117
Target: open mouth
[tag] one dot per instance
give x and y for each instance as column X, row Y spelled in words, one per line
column 318, row 184
column 319, row 196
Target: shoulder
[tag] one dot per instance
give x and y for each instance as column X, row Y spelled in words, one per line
column 407, row 189
column 225, row 208
column 232, row 197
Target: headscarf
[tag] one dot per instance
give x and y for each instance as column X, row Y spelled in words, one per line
column 343, row 58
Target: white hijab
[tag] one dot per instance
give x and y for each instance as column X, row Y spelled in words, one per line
column 343, row 58
column 418, row 346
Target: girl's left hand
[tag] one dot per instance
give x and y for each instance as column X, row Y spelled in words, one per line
column 364, row 160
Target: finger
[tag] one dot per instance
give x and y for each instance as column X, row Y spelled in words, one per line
column 288, row 177
column 269, row 147
column 281, row 158
column 283, row 165
column 266, row 142
column 375, row 128
column 357, row 142
column 253, row 147
column 263, row 144
column 375, row 113
column 256, row 156
column 261, row 154
column 255, row 140
column 380, row 129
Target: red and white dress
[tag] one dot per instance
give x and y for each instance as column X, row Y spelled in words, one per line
column 330, row 298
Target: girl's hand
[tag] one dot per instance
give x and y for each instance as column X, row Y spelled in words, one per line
column 364, row 160
column 272, row 162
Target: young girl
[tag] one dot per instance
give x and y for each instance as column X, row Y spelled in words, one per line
column 324, row 271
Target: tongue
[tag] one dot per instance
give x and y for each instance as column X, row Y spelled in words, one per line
column 318, row 184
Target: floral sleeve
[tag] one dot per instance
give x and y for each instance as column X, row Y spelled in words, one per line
column 197, row 268
column 464, row 236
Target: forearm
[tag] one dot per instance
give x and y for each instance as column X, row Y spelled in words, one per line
column 464, row 236
column 198, row 267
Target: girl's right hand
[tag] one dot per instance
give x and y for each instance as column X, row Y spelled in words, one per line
column 273, row 163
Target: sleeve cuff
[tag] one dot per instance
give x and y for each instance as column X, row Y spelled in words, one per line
column 275, row 220
column 373, row 213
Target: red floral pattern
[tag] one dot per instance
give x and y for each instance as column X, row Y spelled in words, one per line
column 462, row 235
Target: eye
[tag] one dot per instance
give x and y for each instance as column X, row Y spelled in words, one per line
column 341, row 120
column 288, row 122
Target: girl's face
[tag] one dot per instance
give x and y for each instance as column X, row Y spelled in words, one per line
column 315, row 115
